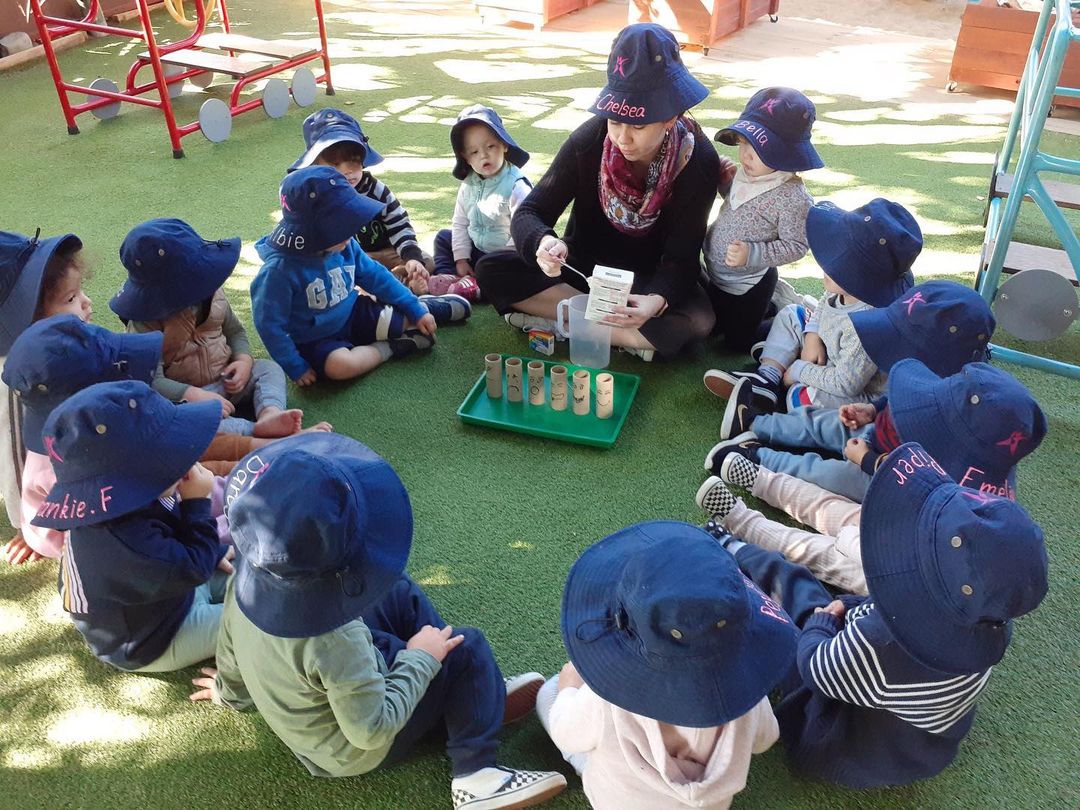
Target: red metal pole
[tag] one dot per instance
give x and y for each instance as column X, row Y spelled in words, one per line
column 159, row 77
column 54, row 67
column 325, row 50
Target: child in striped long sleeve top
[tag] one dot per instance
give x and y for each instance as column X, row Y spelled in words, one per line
column 885, row 686
column 334, row 138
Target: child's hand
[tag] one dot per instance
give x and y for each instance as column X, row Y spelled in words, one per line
column 415, row 269
column 834, row 608
column 857, row 414
column 193, row 394
column 569, row 678
column 737, row 254
column 307, row 378
column 550, row 255
column 813, row 350
column 196, row 483
column 436, row 643
column 206, row 692
column 789, row 378
column 225, row 564
column 237, row 374
column 463, row 268
column 16, row 552
column 855, row 450
column 427, row 325
column 728, row 168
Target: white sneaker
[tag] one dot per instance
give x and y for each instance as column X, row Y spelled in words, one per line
column 519, row 320
column 646, row 355
column 521, row 693
column 785, row 294
column 505, row 788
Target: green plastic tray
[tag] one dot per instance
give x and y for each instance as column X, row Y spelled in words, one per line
column 541, row 420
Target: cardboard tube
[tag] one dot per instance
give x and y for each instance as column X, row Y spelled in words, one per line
column 558, row 388
column 605, row 396
column 536, row 382
column 513, row 379
column 493, row 364
column 581, row 392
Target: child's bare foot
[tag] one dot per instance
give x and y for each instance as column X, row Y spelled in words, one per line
column 322, row 427
column 274, row 423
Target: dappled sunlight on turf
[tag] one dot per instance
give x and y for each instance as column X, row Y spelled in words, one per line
column 12, row 617
column 901, row 134
column 98, row 726
column 955, row 156
column 436, row 576
column 31, row 759
column 473, row 71
column 141, row 692
column 521, row 545
column 358, row 76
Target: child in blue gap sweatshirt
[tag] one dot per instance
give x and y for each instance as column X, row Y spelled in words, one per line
column 304, row 300
column 142, row 573
column 886, row 685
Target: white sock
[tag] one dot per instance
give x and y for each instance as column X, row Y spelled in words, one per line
column 384, row 350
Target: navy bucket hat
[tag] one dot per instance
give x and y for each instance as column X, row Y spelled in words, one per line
column 479, row 114
column 978, row 423
column 308, row 565
column 943, row 324
column 319, row 209
column 868, row 251
column 328, row 126
column 693, row 651
column 647, row 80
column 948, row 567
column 60, row 356
column 115, row 447
column 170, row 267
column 777, row 122
column 22, row 269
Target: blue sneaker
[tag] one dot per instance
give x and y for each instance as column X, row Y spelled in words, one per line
column 447, row 308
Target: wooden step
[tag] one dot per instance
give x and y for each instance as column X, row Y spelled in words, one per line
column 188, row 57
column 238, row 42
column 1066, row 195
column 1021, row 256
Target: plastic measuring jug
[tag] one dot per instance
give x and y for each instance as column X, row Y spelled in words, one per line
column 590, row 342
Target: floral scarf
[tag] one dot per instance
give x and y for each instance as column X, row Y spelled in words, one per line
column 633, row 210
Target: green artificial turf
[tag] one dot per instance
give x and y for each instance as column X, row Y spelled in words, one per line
column 499, row 517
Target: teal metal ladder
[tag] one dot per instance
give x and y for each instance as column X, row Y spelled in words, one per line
column 1054, row 33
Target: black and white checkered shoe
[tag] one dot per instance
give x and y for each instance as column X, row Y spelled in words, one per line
column 519, row 789
column 739, row 471
column 715, row 498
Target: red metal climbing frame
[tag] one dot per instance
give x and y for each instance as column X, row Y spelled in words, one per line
column 193, row 54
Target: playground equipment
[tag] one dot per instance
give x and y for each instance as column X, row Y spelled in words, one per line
column 197, row 58
column 1040, row 301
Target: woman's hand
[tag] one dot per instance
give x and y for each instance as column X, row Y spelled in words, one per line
column 638, row 310
column 551, row 254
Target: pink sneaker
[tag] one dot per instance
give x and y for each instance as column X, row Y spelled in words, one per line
column 467, row 288
column 440, row 284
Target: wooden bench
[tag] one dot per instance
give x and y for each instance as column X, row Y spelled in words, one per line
column 238, row 42
column 536, row 13
column 992, row 48
column 218, row 63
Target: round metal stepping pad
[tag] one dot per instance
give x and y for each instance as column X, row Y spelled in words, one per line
column 215, row 120
column 275, row 98
column 176, row 88
column 202, row 80
column 1036, row 305
column 303, row 87
column 109, row 110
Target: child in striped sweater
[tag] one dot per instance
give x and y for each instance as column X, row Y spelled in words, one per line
column 885, row 686
column 334, row 138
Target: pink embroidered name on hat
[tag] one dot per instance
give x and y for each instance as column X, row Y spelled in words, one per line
column 916, row 458
column 757, row 133
column 608, row 103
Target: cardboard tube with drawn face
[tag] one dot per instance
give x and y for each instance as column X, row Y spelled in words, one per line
column 494, row 366
column 558, row 388
column 581, row 392
column 536, row 382
column 605, row 396
column 513, row 379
